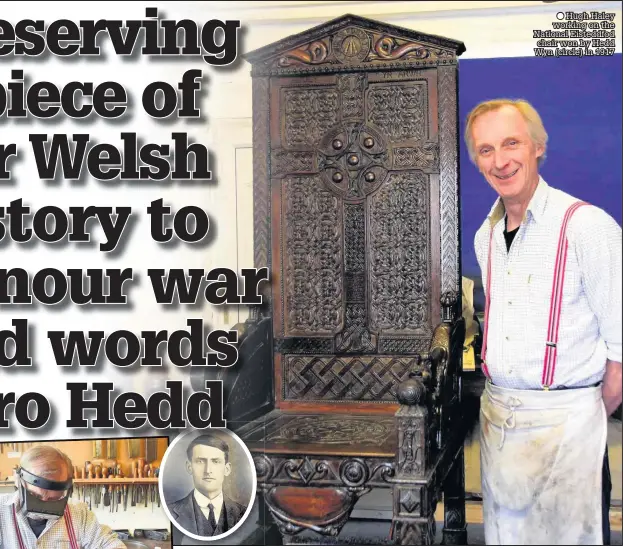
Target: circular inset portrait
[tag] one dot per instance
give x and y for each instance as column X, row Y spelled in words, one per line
column 207, row 483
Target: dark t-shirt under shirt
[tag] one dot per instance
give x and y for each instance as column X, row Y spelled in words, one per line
column 509, row 235
column 37, row 526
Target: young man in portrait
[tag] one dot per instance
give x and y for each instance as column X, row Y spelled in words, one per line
column 207, row 511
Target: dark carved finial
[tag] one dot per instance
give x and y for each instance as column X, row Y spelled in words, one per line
column 411, row 391
column 449, row 301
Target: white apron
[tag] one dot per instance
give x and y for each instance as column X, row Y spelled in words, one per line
column 541, row 463
column 542, row 452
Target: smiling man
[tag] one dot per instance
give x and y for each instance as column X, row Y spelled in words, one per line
column 551, row 268
column 207, row 511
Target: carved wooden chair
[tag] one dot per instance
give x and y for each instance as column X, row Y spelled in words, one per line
column 349, row 376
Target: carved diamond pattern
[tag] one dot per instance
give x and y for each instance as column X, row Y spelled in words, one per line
column 410, row 501
column 306, row 471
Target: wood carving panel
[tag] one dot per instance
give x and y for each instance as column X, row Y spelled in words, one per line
column 424, row 157
column 345, row 378
column 313, row 258
column 355, row 338
column 355, row 254
column 308, row 471
column 284, row 162
column 399, row 111
column 351, row 88
column 332, row 429
column 353, row 43
column 353, row 159
column 308, row 114
column 400, row 255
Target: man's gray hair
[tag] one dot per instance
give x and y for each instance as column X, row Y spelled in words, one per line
column 45, row 461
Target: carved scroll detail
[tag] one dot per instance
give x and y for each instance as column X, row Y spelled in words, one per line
column 309, row 54
column 322, row 472
column 389, row 48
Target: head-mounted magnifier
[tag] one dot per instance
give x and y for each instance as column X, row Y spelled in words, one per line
column 43, row 505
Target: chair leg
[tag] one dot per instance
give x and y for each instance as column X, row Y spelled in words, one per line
column 413, row 522
column 455, row 529
column 421, row 532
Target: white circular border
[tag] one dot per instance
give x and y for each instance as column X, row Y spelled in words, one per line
column 253, row 487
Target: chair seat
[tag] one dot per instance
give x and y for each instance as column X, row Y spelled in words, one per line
column 321, row 451
column 322, row 434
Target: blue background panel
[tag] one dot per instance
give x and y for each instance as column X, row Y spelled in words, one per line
column 579, row 100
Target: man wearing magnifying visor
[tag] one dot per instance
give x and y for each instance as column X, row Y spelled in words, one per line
column 39, row 516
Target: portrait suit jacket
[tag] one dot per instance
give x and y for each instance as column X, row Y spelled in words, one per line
column 183, row 512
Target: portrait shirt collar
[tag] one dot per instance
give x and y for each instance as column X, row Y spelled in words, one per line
column 204, row 501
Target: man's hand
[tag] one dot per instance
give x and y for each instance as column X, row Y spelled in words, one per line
column 612, row 390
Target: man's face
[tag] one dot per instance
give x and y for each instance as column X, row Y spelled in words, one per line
column 209, row 469
column 61, row 475
column 506, row 154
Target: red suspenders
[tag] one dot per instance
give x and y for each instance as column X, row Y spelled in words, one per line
column 68, row 523
column 549, row 362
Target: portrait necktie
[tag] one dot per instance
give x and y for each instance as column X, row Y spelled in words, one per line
column 212, row 517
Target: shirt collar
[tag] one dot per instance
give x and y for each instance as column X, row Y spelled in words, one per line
column 536, row 207
column 204, row 501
